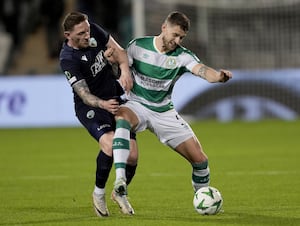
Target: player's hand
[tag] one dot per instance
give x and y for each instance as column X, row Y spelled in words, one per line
column 225, row 75
column 109, row 55
column 111, row 105
column 126, row 80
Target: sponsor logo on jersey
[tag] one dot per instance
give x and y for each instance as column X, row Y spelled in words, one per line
column 99, row 64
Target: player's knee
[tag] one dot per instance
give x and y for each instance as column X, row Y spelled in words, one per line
column 200, row 157
column 127, row 115
column 107, row 149
column 119, row 117
column 105, row 142
column 121, row 114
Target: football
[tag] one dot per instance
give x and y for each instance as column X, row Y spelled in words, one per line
column 208, row 201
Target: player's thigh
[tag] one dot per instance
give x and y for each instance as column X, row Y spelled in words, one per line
column 99, row 123
column 136, row 114
column 170, row 128
column 192, row 150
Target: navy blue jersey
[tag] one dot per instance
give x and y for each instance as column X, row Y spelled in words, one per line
column 90, row 64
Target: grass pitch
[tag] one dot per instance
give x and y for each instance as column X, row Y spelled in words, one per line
column 47, row 177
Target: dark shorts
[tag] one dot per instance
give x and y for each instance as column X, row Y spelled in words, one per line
column 97, row 121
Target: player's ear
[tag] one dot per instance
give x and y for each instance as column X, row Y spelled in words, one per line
column 163, row 26
column 66, row 34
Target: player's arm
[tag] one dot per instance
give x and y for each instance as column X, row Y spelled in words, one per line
column 116, row 54
column 83, row 91
column 210, row 74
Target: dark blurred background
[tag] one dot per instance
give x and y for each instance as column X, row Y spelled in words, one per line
column 31, row 34
column 237, row 34
column 258, row 40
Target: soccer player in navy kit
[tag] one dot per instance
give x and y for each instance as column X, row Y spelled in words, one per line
column 84, row 59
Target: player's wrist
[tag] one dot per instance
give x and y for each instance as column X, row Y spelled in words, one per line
column 101, row 103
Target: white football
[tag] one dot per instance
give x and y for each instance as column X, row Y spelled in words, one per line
column 208, row 201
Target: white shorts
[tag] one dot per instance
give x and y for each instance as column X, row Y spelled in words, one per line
column 168, row 126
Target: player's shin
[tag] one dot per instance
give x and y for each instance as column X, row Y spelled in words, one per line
column 130, row 172
column 121, row 147
column 200, row 175
column 104, row 164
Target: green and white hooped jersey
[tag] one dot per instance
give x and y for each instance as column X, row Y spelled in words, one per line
column 155, row 73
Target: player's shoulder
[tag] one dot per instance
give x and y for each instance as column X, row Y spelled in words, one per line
column 99, row 33
column 69, row 54
column 66, row 52
column 183, row 49
column 185, row 53
column 142, row 40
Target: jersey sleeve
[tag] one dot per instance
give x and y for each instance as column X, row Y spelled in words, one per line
column 191, row 60
column 130, row 48
column 101, row 35
column 71, row 69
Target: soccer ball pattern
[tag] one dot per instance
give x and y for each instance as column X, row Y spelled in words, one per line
column 208, row 201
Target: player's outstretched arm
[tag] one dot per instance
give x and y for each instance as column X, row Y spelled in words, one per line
column 118, row 55
column 210, row 74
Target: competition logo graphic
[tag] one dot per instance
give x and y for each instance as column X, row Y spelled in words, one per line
column 70, row 78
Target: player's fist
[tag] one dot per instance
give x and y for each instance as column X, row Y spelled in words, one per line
column 225, row 75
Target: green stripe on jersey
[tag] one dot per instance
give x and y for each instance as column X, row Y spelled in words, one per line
column 158, row 72
column 164, row 108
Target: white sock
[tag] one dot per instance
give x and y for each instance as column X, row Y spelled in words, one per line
column 99, row 191
column 121, row 147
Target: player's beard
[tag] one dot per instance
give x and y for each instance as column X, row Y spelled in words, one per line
column 79, row 43
column 84, row 43
column 168, row 45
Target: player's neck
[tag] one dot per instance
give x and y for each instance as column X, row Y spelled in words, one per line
column 158, row 44
column 70, row 44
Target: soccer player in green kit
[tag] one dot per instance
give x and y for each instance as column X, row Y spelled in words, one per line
column 157, row 63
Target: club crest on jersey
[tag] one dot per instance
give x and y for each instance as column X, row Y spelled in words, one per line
column 171, row 62
column 90, row 114
column 92, row 42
